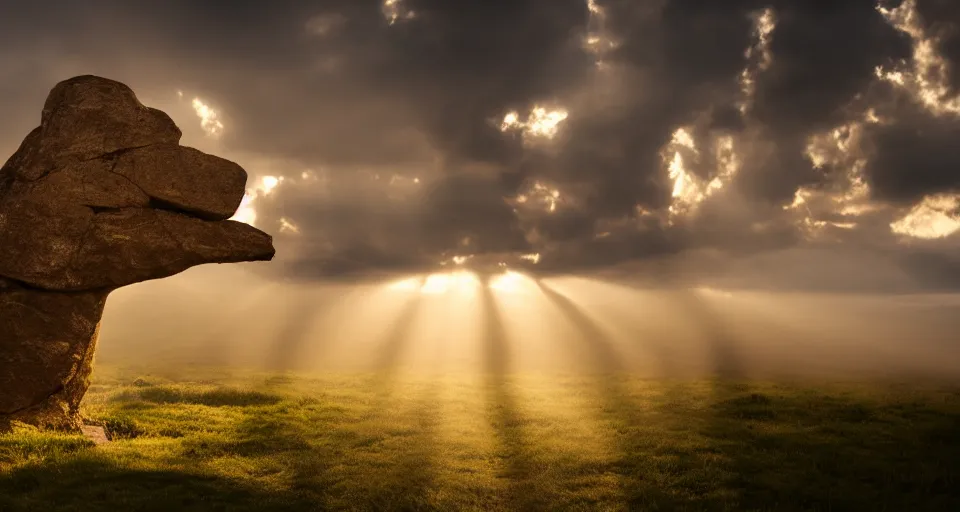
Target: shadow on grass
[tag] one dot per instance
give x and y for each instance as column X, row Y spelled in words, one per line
column 325, row 461
column 92, row 484
column 810, row 451
column 253, row 436
column 792, row 448
column 411, row 474
column 218, row 397
column 409, row 482
column 508, row 424
column 619, row 408
column 40, row 445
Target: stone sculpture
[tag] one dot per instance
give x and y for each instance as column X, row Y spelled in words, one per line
column 100, row 195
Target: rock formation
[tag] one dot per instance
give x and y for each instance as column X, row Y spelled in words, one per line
column 100, row 195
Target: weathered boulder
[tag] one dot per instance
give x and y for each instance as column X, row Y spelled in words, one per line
column 100, row 195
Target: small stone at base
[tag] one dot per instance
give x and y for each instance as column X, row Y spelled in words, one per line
column 95, row 434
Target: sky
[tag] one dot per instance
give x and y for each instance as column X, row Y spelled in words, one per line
column 551, row 135
column 791, row 161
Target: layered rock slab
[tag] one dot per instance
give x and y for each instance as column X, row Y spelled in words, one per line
column 99, row 196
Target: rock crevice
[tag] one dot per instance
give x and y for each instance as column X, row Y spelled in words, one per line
column 99, row 196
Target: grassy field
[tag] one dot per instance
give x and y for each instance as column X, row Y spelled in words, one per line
column 208, row 440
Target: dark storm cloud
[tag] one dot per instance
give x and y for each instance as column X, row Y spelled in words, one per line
column 824, row 54
column 465, row 64
column 335, row 87
column 674, row 63
column 915, row 157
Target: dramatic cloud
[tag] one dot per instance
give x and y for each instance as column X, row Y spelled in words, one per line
column 559, row 135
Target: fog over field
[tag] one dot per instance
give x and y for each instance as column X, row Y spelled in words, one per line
column 440, row 325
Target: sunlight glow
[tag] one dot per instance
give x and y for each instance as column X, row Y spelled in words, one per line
column 245, row 212
column 436, row 283
column 936, row 216
column 409, row 284
column 509, row 281
column 443, row 282
column 461, row 281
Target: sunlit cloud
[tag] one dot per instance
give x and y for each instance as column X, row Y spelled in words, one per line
column 395, row 10
column 936, row 216
column 268, row 183
column 209, row 120
column 681, row 137
column 287, row 226
column 684, row 188
column 759, row 57
column 689, row 190
column 926, row 77
column 247, row 213
column 540, row 122
column 598, row 40
column 532, row 258
column 846, row 195
column 538, row 196
column 838, row 148
column 871, row 117
column 457, row 260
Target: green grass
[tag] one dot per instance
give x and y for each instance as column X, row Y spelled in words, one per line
column 231, row 441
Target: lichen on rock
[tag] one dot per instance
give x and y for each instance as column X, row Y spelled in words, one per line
column 99, row 196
